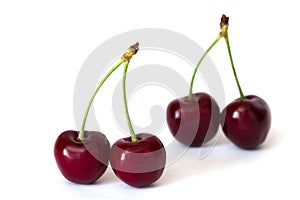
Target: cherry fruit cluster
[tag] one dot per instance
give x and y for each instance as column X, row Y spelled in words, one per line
column 139, row 160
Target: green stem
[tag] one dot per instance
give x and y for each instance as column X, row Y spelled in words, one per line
column 199, row 62
column 233, row 69
column 81, row 133
column 133, row 136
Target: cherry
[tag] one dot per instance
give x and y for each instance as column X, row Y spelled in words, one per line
column 246, row 121
column 82, row 161
column 82, row 157
column 138, row 160
column 138, row 163
column 193, row 121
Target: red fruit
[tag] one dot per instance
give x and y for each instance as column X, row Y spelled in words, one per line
column 193, row 121
column 139, row 163
column 247, row 122
column 82, row 161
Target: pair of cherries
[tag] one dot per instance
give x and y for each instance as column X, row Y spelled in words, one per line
column 194, row 119
column 139, row 160
column 83, row 156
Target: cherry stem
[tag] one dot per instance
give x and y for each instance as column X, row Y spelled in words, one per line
column 242, row 96
column 81, row 133
column 133, row 136
column 199, row 62
column 224, row 33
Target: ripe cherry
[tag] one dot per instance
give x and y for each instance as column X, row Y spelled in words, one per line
column 82, row 161
column 193, row 121
column 138, row 160
column 139, row 163
column 246, row 122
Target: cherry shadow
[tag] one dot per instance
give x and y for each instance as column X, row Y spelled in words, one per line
column 107, row 178
column 222, row 155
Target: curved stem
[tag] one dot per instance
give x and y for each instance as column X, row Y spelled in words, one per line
column 133, row 136
column 81, row 133
column 242, row 96
column 199, row 62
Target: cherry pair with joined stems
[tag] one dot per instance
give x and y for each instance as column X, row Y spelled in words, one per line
column 83, row 156
column 194, row 120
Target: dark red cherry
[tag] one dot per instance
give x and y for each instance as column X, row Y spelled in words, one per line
column 84, row 161
column 193, row 121
column 139, row 163
column 246, row 122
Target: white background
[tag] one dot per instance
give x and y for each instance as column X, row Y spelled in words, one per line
column 42, row 48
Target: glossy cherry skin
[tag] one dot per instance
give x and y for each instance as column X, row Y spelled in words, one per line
column 82, row 162
column 139, row 163
column 193, row 121
column 247, row 122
